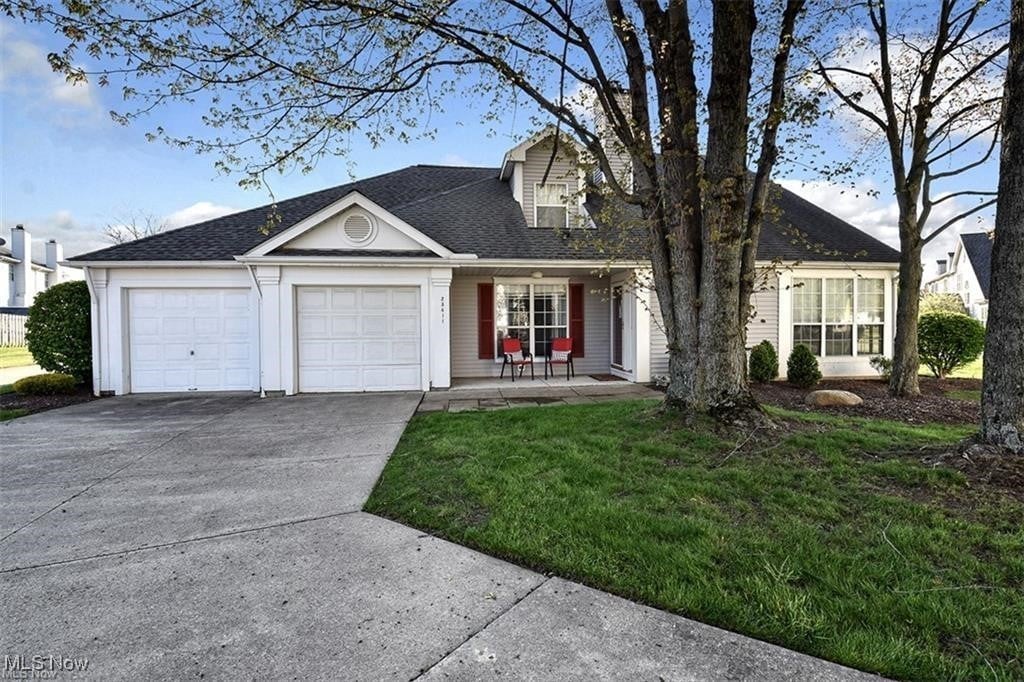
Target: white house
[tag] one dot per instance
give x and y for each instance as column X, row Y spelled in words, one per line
column 407, row 280
column 21, row 277
column 967, row 273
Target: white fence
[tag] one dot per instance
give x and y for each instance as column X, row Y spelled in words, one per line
column 12, row 329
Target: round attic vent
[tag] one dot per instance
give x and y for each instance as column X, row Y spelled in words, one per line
column 357, row 228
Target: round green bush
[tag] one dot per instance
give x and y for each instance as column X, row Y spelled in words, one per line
column 802, row 367
column 46, row 384
column 764, row 362
column 58, row 330
column 941, row 303
column 946, row 341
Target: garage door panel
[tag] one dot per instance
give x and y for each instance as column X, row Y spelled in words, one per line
column 190, row 339
column 344, row 299
column 345, row 326
column 375, row 341
column 405, row 299
column 312, row 299
column 313, row 326
column 375, row 325
column 346, row 352
column 405, row 325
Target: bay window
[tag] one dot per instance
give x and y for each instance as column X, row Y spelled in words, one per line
column 551, row 205
column 533, row 313
column 839, row 316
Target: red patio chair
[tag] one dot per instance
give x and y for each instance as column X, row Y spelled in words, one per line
column 514, row 354
column 560, row 354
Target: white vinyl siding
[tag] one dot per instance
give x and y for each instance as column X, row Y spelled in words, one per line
column 596, row 327
column 563, row 171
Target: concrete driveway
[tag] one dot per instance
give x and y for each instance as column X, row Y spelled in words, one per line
column 221, row 537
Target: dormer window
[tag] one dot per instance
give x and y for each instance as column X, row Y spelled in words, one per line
column 551, row 205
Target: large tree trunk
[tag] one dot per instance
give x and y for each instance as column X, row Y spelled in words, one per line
column 905, row 361
column 709, row 375
column 1002, row 395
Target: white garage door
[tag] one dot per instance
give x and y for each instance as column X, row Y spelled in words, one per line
column 191, row 340
column 359, row 338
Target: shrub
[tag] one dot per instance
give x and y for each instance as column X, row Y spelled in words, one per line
column 46, row 384
column 946, row 341
column 764, row 362
column 58, row 332
column 802, row 367
column 882, row 365
column 941, row 303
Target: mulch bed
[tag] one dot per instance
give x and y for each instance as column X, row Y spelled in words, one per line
column 932, row 406
column 39, row 403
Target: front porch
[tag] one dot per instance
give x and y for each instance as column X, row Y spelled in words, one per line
column 603, row 311
column 467, row 395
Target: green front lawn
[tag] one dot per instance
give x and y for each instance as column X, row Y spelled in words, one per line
column 7, row 415
column 803, row 539
column 15, row 356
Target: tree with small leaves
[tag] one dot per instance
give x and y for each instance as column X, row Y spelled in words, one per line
column 929, row 101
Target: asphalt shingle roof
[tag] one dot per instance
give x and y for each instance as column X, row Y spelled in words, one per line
column 978, row 247
column 470, row 210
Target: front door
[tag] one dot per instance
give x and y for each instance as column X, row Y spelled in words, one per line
column 617, row 326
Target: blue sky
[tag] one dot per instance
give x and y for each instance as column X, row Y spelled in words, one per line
column 68, row 169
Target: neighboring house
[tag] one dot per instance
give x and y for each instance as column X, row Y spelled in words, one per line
column 407, row 280
column 21, row 277
column 967, row 273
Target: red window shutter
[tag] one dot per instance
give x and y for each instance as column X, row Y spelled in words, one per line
column 485, row 320
column 576, row 318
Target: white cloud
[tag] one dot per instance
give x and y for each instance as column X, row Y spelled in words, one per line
column 197, row 213
column 455, row 160
column 863, row 207
column 26, row 73
column 75, row 235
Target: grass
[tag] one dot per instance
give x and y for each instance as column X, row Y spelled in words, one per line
column 879, row 563
column 7, row 415
column 6, row 388
column 15, row 356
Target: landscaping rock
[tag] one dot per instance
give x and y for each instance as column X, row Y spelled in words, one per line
column 829, row 398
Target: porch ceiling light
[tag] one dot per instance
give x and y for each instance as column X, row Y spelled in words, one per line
column 537, row 274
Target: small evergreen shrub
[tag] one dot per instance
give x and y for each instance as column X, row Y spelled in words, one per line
column 46, row 384
column 58, row 331
column 882, row 365
column 764, row 362
column 946, row 341
column 802, row 367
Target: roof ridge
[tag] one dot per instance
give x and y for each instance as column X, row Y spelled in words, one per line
column 441, row 194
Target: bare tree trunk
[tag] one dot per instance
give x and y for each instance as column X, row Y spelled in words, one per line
column 905, row 361
column 722, row 381
column 1002, row 395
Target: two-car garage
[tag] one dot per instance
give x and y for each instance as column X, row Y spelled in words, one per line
column 344, row 339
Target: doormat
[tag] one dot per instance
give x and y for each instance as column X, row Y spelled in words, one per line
column 605, row 377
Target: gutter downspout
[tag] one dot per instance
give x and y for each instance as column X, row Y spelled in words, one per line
column 259, row 326
column 94, row 330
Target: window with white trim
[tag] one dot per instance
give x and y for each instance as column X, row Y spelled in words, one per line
column 839, row 316
column 533, row 313
column 551, row 205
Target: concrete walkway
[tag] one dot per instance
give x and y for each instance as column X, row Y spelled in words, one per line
column 220, row 537
column 531, row 394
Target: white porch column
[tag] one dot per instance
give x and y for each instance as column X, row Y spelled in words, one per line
column 269, row 279
column 642, row 327
column 785, row 318
column 97, row 282
column 440, row 328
